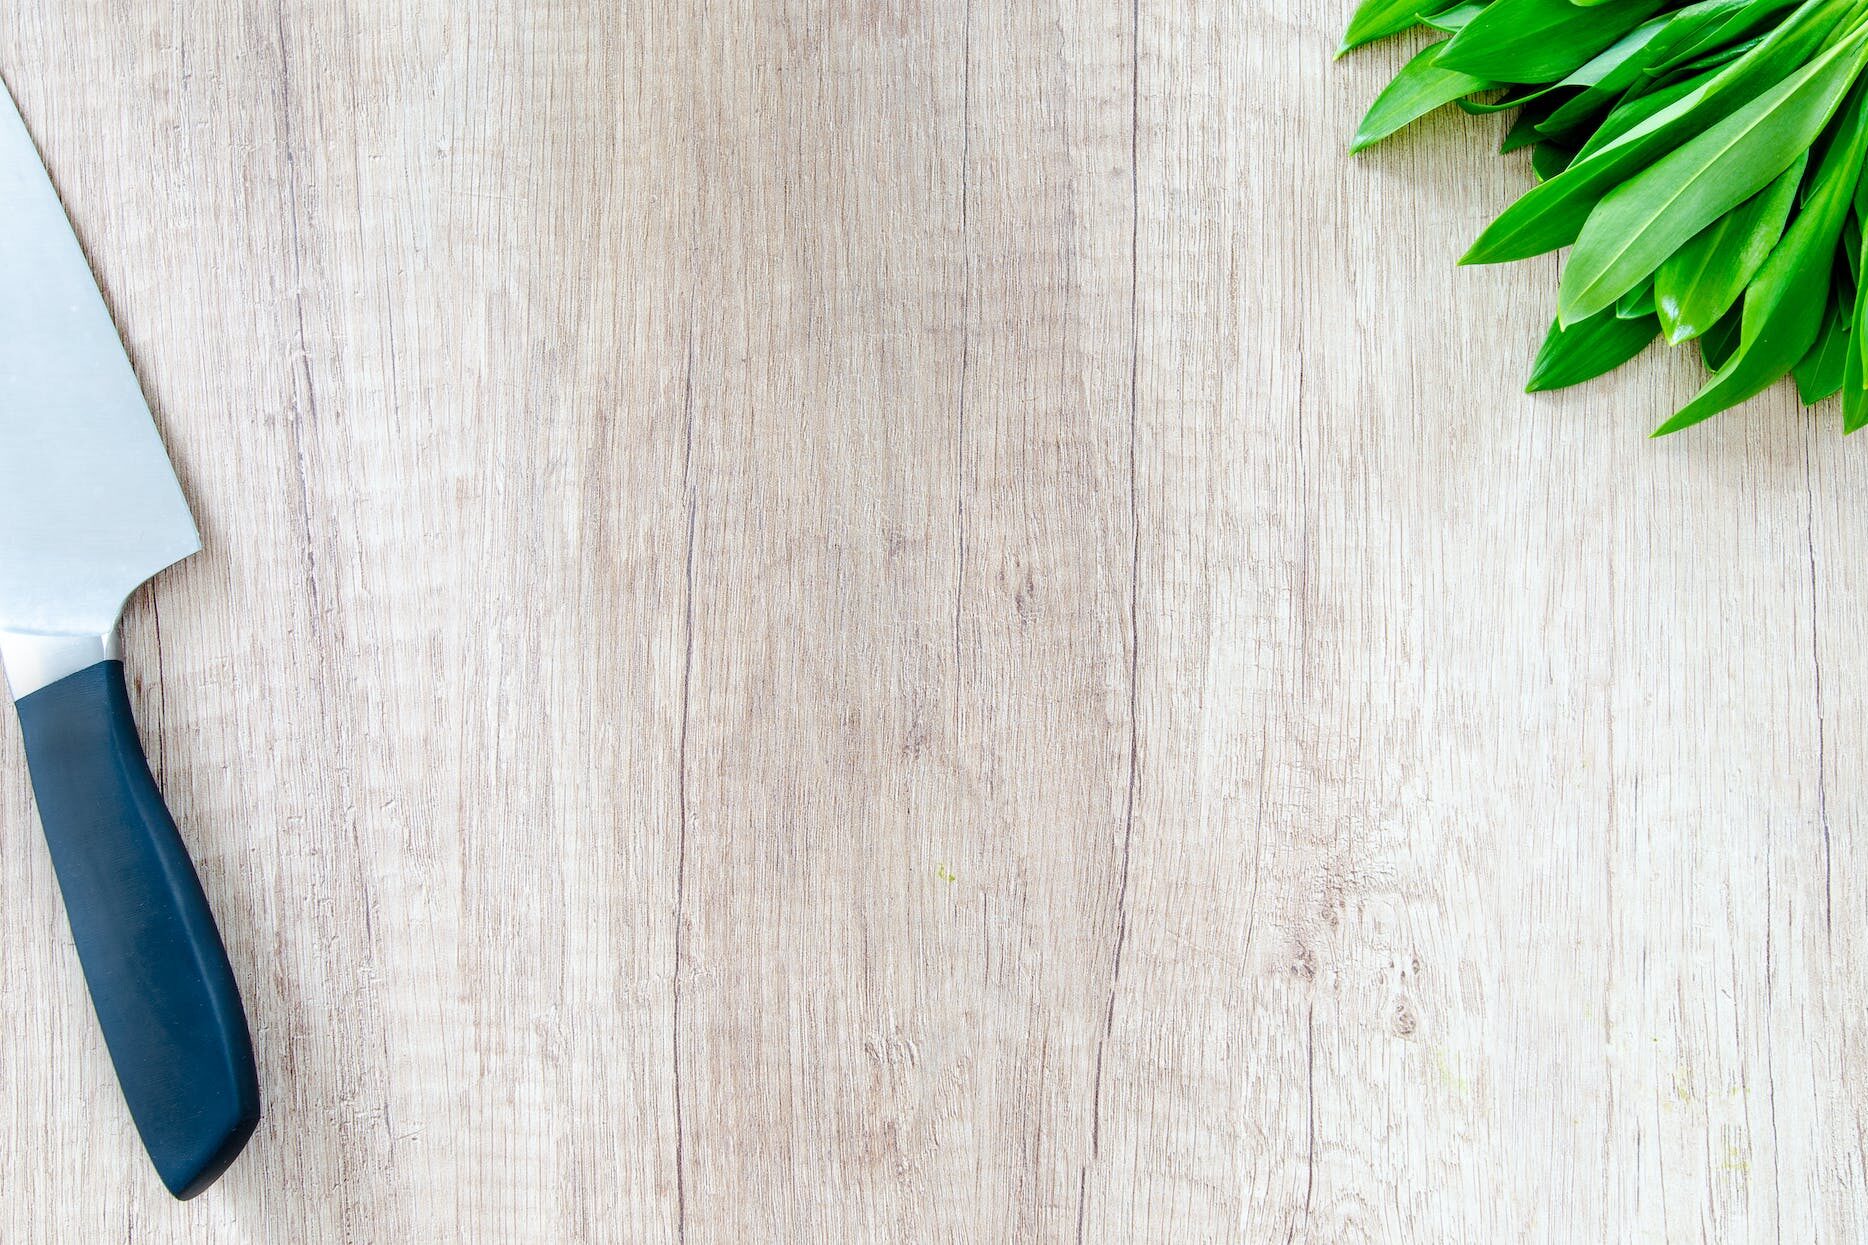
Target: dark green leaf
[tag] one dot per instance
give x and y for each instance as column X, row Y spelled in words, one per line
column 1783, row 306
column 1549, row 159
column 1523, row 131
column 1819, row 373
column 1640, row 223
column 1699, row 282
column 1599, row 344
column 1717, row 343
column 1541, row 40
column 1417, row 90
column 1854, row 382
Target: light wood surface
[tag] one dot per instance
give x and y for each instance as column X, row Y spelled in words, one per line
column 935, row 622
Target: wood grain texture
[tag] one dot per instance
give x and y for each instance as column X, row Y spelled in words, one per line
column 935, row 622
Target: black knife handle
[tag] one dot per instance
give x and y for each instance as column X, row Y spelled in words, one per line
column 164, row 993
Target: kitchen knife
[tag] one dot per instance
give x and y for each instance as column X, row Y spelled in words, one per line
column 89, row 509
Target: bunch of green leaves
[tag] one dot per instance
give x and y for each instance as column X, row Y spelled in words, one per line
column 1704, row 159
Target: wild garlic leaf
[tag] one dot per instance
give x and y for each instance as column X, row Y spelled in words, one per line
column 1417, row 90
column 1712, row 26
column 1717, row 343
column 1583, row 351
column 1640, row 223
column 1523, row 131
column 1854, row 379
column 1455, row 18
column 1541, row 40
column 1549, row 159
column 1819, row 373
column 1852, row 244
column 1636, row 303
column 1604, row 77
column 1712, row 60
column 1698, row 283
column 1377, row 19
column 1783, row 305
column 1632, row 110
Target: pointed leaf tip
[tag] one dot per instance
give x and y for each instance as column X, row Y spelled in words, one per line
column 1682, row 419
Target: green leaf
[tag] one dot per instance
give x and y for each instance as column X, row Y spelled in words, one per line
column 1636, row 303
column 1783, row 305
column 1641, row 223
column 1417, row 90
column 1631, row 111
column 1712, row 60
column 1609, row 73
column 1854, row 383
column 1819, row 373
column 1704, row 28
column 1852, row 242
column 1523, row 131
column 1698, row 283
column 1552, row 215
column 1605, row 78
column 1549, row 159
column 1583, row 351
column 1541, row 40
column 1473, row 107
column 1377, row 19
column 1717, row 343
column 1455, row 18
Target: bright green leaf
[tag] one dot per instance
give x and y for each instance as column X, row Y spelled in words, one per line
column 1696, row 285
column 1377, row 19
column 1417, row 90
column 1636, row 303
column 1604, row 79
column 1632, row 110
column 1455, row 18
column 1541, row 40
column 1580, row 352
column 1607, row 74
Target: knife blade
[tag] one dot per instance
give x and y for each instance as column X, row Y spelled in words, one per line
column 89, row 509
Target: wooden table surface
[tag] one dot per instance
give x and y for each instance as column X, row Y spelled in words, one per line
column 935, row 622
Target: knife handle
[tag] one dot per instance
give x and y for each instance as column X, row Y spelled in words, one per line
column 160, row 982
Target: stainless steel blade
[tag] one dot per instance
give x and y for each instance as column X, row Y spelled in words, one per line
column 89, row 505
